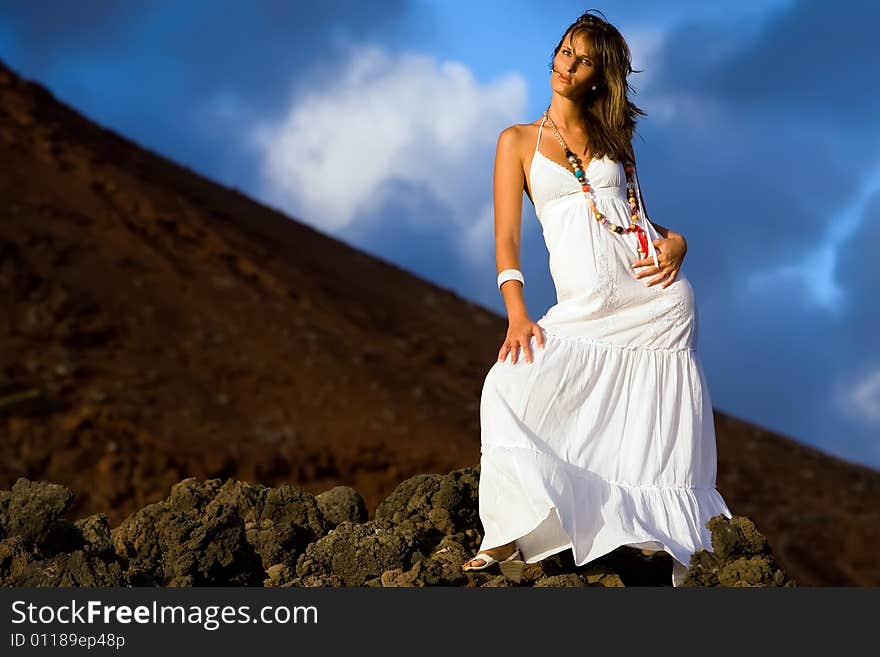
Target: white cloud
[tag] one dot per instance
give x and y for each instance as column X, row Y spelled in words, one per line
column 644, row 45
column 815, row 273
column 816, row 269
column 478, row 238
column 388, row 117
column 861, row 399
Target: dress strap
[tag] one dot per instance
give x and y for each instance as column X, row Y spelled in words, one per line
column 541, row 127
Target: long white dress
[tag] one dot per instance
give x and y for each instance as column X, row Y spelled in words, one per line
column 607, row 438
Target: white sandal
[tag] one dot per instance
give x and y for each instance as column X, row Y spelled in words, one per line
column 489, row 559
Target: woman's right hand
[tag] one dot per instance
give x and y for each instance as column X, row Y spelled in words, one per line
column 519, row 334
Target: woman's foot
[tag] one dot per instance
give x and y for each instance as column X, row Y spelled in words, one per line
column 498, row 553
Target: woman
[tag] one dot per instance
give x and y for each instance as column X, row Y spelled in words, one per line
column 602, row 433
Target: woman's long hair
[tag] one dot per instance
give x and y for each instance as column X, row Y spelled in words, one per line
column 611, row 116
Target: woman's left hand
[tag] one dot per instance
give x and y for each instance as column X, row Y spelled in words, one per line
column 670, row 255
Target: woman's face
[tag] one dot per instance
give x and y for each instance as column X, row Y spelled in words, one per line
column 574, row 68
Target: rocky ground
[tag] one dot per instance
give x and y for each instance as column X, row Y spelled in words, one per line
column 233, row 533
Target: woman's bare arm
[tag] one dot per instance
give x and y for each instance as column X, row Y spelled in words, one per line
column 508, row 191
column 675, row 252
column 664, row 232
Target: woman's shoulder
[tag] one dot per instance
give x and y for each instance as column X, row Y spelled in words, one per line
column 517, row 130
column 517, row 135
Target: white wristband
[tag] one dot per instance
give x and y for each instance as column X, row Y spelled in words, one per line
column 510, row 275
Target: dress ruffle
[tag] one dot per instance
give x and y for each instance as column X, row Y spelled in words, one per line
column 593, row 446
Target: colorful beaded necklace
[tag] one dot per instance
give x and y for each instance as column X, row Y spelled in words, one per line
column 632, row 192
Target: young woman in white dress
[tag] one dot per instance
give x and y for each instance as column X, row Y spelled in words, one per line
column 600, row 432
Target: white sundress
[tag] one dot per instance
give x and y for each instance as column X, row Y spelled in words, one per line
column 607, row 438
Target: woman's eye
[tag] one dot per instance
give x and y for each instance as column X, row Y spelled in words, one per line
column 584, row 60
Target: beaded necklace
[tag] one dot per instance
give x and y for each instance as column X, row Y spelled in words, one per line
column 632, row 192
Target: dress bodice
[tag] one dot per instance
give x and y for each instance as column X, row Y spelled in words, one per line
column 549, row 180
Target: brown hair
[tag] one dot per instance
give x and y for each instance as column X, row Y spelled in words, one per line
column 611, row 116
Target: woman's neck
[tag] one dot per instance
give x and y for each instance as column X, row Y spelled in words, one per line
column 567, row 115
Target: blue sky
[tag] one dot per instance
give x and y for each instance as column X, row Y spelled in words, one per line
column 377, row 123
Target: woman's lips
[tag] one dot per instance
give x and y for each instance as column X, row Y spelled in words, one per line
column 563, row 78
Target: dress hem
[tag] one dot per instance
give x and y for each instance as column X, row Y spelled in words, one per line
column 693, row 504
column 679, row 570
